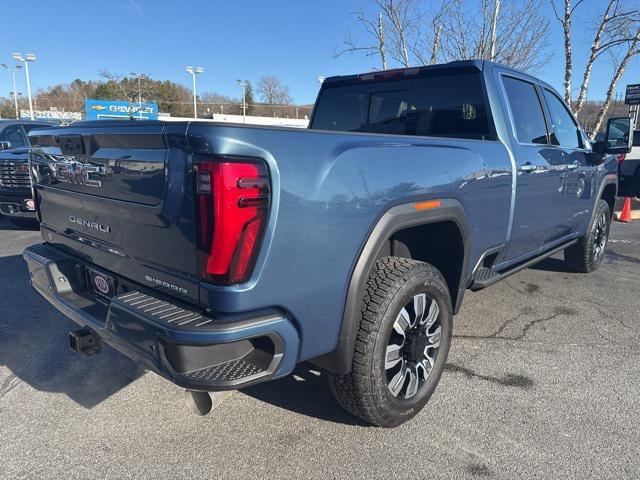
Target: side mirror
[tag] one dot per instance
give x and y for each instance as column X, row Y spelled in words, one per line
column 5, row 145
column 619, row 137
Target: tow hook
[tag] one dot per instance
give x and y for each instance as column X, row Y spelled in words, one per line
column 201, row 403
column 85, row 341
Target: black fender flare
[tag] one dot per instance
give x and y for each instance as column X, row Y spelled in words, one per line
column 610, row 179
column 393, row 220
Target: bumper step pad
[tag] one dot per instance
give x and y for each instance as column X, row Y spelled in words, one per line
column 195, row 350
column 160, row 310
column 229, row 371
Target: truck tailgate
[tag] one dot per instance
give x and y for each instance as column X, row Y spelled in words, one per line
column 108, row 191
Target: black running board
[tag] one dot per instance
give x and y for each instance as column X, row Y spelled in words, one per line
column 479, row 284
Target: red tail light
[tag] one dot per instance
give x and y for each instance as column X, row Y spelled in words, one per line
column 621, row 157
column 233, row 204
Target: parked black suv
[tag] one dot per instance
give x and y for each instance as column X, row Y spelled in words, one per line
column 16, row 201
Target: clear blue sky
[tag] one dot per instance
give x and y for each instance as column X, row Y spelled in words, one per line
column 294, row 40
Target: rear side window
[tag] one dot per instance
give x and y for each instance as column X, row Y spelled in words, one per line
column 565, row 130
column 342, row 109
column 444, row 105
column 526, row 110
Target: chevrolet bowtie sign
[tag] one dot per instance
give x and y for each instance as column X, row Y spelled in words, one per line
column 116, row 109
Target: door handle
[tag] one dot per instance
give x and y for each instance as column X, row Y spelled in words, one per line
column 573, row 166
column 528, row 167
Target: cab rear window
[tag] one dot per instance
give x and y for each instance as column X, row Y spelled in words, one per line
column 443, row 106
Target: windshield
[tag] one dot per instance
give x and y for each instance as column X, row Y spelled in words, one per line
column 14, row 135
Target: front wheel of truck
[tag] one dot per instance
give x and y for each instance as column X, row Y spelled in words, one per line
column 402, row 343
column 587, row 254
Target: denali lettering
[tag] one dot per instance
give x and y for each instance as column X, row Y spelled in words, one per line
column 88, row 224
column 164, row 284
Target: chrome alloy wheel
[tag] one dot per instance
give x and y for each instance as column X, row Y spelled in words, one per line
column 600, row 237
column 413, row 346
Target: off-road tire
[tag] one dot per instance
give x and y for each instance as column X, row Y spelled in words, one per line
column 580, row 257
column 364, row 391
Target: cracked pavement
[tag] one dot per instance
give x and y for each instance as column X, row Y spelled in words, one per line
column 543, row 381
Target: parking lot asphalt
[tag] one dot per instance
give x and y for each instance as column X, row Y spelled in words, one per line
column 543, row 381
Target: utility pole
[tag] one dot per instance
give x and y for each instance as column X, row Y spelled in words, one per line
column 13, row 71
column 194, row 71
column 139, row 77
column 243, row 84
column 29, row 57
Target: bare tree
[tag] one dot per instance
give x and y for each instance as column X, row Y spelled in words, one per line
column 214, row 102
column 428, row 41
column 565, row 21
column 402, row 20
column 494, row 29
column 126, row 89
column 437, row 33
column 614, row 27
column 273, row 92
column 521, row 33
column 632, row 50
column 615, row 33
column 398, row 17
column 382, row 46
column 514, row 33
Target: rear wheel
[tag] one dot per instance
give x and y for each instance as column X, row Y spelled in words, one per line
column 402, row 343
column 587, row 254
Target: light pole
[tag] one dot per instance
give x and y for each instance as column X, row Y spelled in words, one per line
column 29, row 57
column 139, row 76
column 243, row 84
column 13, row 71
column 194, row 71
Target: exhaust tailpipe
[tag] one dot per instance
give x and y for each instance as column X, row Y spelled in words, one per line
column 201, row 403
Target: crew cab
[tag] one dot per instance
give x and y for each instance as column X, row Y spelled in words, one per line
column 15, row 184
column 221, row 255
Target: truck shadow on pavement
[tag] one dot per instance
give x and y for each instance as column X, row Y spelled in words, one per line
column 34, row 346
column 551, row 264
column 6, row 225
column 305, row 391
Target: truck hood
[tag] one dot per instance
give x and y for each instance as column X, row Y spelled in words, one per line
column 15, row 154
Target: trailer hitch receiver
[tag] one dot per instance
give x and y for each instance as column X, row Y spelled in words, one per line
column 85, row 341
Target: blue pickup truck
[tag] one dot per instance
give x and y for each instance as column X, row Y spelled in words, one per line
column 221, row 255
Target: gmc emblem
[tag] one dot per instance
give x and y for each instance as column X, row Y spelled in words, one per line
column 78, row 173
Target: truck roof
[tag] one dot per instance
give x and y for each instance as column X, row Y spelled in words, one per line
column 458, row 65
column 7, row 121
